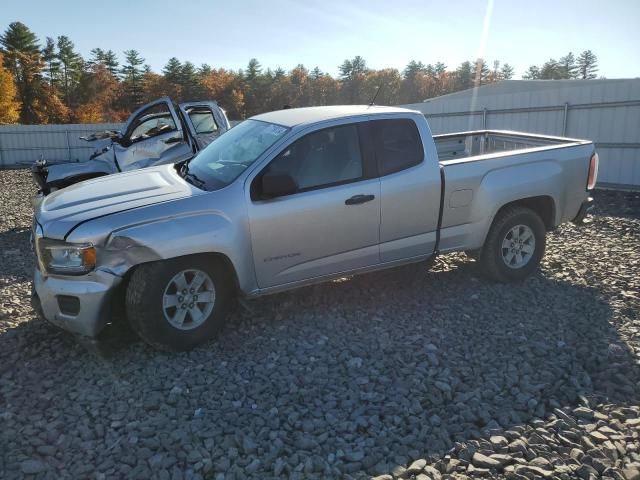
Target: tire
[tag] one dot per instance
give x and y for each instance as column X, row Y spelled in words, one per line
column 153, row 288
column 514, row 245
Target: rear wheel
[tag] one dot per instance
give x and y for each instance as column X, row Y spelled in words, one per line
column 514, row 246
column 176, row 304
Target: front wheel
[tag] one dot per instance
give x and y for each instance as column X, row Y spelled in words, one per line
column 514, row 246
column 178, row 303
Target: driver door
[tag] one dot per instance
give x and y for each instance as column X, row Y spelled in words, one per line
column 153, row 136
column 331, row 223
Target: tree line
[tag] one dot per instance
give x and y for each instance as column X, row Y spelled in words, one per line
column 53, row 83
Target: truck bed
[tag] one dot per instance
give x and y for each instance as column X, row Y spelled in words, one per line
column 465, row 146
column 483, row 170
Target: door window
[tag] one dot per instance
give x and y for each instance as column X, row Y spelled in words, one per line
column 202, row 120
column 398, row 145
column 323, row 158
column 152, row 122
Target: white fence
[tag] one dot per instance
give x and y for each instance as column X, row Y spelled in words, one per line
column 21, row 145
column 613, row 126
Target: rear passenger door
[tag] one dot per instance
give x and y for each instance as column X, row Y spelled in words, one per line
column 331, row 222
column 409, row 189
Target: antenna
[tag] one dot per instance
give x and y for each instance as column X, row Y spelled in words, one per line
column 376, row 95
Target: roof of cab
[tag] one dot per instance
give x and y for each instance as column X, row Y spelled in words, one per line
column 298, row 116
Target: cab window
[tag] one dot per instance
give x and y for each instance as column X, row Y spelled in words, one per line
column 323, row 158
column 397, row 145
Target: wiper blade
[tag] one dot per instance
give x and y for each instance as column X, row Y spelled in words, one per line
column 192, row 177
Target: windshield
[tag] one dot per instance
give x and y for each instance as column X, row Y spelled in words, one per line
column 227, row 157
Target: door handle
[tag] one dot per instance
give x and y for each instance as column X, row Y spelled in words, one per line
column 358, row 199
column 173, row 140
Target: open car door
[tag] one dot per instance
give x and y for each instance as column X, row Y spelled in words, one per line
column 153, row 135
column 205, row 120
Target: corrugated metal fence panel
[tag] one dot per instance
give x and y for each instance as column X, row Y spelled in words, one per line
column 605, row 111
column 547, row 123
column 454, row 124
column 23, row 144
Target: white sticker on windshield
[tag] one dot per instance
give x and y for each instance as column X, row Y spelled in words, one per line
column 276, row 130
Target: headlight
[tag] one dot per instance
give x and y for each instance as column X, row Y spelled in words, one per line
column 66, row 258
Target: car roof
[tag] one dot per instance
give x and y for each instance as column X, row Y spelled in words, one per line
column 298, row 116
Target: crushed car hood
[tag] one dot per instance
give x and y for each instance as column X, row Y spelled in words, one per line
column 63, row 210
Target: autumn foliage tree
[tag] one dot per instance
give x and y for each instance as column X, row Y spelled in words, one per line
column 9, row 106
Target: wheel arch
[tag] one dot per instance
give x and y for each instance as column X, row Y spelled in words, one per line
column 543, row 205
column 213, row 258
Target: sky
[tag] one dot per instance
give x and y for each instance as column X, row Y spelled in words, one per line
column 284, row 33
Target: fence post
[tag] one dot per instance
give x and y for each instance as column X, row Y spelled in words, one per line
column 564, row 119
column 66, row 136
column 1, row 159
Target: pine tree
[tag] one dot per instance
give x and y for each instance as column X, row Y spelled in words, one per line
column 587, row 65
column 204, row 70
column 481, row 72
column 532, row 74
column 506, row 72
column 352, row 76
column 464, row 76
column 568, row 66
column 189, row 82
column 172, row 71
column 132, row 76
column 412, row 69
column 97, row 57
column 70, row 66
column 111, row 62
column 551, row 70
column 52, row 64
column 316, row 73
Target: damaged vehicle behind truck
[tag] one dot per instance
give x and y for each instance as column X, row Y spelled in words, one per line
column 158, row 133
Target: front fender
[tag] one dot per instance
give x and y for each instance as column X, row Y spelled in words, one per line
column 64, row 174
column 197, row 233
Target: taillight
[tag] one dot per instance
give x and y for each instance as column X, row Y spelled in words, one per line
column 593, row 171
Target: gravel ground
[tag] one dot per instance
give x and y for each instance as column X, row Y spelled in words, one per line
column 398, row 374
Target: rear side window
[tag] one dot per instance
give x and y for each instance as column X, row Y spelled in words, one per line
column 398, row 145
column 202, row 120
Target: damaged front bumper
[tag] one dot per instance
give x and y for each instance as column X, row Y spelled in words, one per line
column 81, row 305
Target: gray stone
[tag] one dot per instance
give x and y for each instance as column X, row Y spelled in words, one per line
column 482, row 461
column 586, row 472
column 32, row 466
column 416, row 466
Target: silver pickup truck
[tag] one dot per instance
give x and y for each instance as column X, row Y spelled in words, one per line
column 293, row 197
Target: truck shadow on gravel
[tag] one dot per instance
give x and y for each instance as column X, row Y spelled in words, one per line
column 347, row 378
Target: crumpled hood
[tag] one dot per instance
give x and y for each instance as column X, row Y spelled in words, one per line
column 63, row 210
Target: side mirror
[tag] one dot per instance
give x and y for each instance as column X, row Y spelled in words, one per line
column 277, row 184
